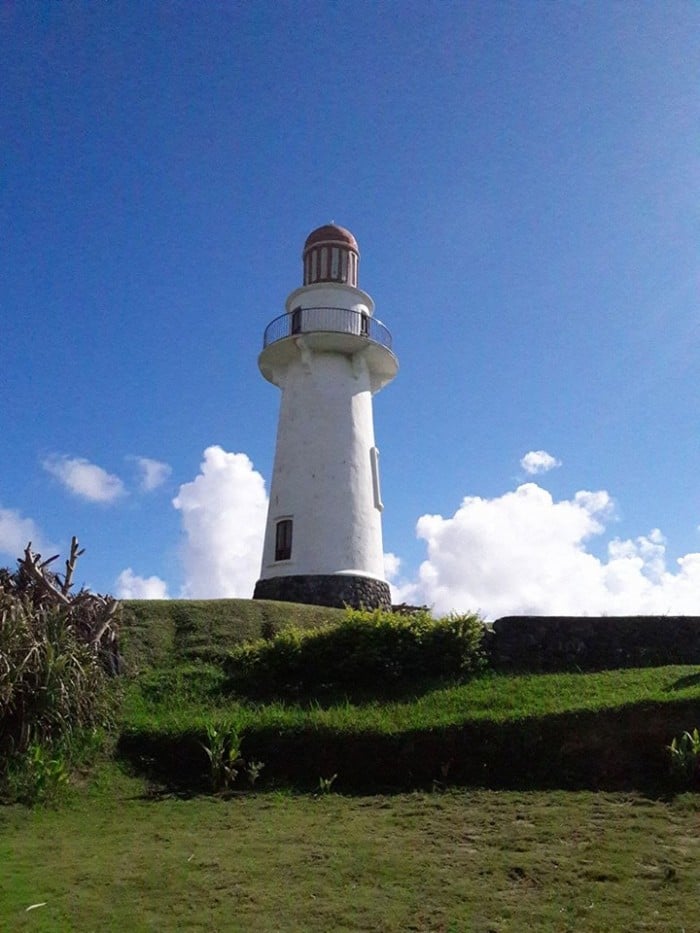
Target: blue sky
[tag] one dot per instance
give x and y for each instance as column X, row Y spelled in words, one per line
column 522, row 179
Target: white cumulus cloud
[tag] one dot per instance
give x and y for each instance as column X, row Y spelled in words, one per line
column 153, row 473
column 392, row 565
column 223, row 516
column 16, row 531
column 524, row 553
column 129, row 585
column 538, row 461
column 85, row 479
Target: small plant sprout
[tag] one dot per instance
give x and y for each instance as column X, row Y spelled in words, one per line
column 685, row 756
column 325, row 784
column 223, row 749
column 252, row 770
column 45, row 775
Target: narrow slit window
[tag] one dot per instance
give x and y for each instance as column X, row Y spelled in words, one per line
column 283, row 539
column 374, row 460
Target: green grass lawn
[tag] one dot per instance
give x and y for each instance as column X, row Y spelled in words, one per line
column 122, row 852
column 456, row 861
column 192, row 700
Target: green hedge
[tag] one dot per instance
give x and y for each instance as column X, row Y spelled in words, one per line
column 364, row 652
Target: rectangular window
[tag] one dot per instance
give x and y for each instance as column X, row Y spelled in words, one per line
column 296, row 321
column 374, row 460
column 283, row 539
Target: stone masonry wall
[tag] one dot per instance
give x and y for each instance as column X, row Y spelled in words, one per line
column 557, row 643
column 336, row 590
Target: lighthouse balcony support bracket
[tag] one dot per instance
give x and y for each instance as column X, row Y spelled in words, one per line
column 327, row 321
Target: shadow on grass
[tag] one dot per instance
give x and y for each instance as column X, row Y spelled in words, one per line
column 322, row 696
column 691, row 680
column 621, row 750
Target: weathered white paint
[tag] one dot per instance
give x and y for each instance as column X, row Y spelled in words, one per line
column 325, row 475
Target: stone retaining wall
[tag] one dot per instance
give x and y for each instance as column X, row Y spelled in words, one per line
column 558, row 643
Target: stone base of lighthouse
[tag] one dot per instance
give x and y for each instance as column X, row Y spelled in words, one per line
column 337, row 590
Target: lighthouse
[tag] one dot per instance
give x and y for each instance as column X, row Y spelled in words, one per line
column 328, row 355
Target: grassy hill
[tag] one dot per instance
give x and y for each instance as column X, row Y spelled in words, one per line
column 159, row 632
column 605, row 729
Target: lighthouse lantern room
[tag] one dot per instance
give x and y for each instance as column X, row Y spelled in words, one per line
column 329, row 355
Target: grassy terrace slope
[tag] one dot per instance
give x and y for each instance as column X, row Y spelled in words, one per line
column 605, row 729
column 490, row 698
column 160, row 631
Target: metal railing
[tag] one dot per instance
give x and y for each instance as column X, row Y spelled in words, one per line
column 326, row 320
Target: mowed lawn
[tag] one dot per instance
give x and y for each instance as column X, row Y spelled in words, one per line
column 111, row 859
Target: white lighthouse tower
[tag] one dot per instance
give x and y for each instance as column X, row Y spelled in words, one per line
column 328, row 355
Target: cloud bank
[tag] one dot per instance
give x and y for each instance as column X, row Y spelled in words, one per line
column 223, row 511
column 84, row 479
column 524, row 553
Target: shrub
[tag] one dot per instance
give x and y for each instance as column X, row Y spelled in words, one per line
column 56, row 650
column 50, row 682
column 366, row 651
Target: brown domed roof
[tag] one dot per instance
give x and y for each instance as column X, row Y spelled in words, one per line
column 331, row 233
